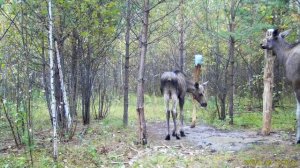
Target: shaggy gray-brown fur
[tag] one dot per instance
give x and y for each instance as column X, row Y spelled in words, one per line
column 289, row 56
column 174, row 86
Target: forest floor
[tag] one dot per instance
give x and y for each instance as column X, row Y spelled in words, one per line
column 212, row 139
column 204, row 146
column 231, row 148
column 107, row 143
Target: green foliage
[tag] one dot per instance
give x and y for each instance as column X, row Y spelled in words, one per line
column 13, row 161
column 98, row 23
column 281, row 120
column 107, row 142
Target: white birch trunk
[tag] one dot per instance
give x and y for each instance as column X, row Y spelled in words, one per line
column 53, row 108
column 61, row 78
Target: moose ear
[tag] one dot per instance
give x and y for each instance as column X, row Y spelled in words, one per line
column 285, row 33
column 275, row 33
column 196, row 85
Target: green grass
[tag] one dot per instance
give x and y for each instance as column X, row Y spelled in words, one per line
column 282, row 119
column 107, row 143
column 154, row 108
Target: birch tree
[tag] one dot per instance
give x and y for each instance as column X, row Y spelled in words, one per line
column 65, row 98
column 53, row 108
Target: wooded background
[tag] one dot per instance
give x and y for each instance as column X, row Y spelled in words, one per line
column 101, row 43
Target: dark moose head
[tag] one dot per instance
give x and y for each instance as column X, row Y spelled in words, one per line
column 199, row 94
column 272, row 38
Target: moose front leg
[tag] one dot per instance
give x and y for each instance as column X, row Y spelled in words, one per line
column 298, row 122
column 298, row 116
column 194, row 117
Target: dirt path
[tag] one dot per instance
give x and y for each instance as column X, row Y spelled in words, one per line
column 203, row 136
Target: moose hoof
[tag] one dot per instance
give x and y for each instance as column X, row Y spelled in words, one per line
column 298, row 141
column 177, row 137
column 182, row 134
column 144, row 141
column 168, row 137
column 173, row 134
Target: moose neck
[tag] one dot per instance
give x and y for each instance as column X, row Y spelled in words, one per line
column 281, row 49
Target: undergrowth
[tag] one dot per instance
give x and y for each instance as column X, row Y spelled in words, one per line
column 107, row 143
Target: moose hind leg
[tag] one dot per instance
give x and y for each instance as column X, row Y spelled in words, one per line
column 175, row 134
column 181, row 103
column 168, row 125
column 174, row 116
column 167, row 100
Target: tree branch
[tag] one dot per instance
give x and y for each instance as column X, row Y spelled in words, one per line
column 167, row 14
column 159, row 2
column 11, row 22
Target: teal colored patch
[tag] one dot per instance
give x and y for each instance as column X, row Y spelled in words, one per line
column 198, row 59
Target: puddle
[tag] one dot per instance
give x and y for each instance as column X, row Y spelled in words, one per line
column 207, row 137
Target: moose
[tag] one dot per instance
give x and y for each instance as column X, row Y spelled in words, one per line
column 174, row 86
column 289, row 56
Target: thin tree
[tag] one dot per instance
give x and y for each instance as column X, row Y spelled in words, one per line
column 74, row 73
column 126, row 75
column 140, row 87
column 53, row 108
column 10, row 122
column 181, row 35
column 231, row 43
column 65, row 98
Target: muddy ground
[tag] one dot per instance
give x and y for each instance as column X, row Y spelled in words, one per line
column 203, row 146
column 210, row 138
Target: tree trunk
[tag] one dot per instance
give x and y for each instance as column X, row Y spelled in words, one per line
column 65, row 99
column 231, row 44
column 87, row 86
column 104, row 102
column 181, row 36
column 140, row 87
column 223, row 106
column 61, row 120
column 268, row 89
column 45, row 81
column 74, row 71
column 126, row 73
column 53, row 108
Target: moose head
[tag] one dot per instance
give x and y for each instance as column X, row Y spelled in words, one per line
column 199, row 94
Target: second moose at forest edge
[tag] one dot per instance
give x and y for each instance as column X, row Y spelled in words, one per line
column 174, row 86
column 289, row 56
